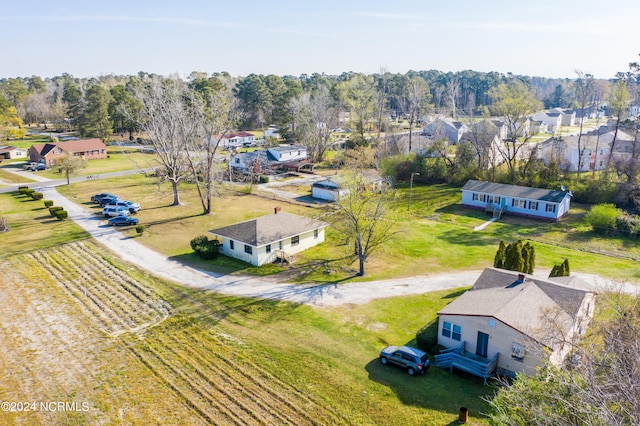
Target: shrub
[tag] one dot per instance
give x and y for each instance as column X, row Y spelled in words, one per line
column 427, row 338
column 628, row 225
column 62, row 214
column 204, row 248
column 54, row 209
column 22, row 188
column 37, row 195
column 603, row 217
column 199, row 241
column 48, row 203
column 27, row 191
column 140, row 229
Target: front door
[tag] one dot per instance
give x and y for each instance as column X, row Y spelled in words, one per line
column 482, row 344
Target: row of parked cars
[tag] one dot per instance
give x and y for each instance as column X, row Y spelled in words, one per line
column 34, row 167
column 115, row 209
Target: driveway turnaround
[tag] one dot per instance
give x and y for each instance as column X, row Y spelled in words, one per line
column 320, row 295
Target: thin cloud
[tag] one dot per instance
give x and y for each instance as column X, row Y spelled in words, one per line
column 170, row 21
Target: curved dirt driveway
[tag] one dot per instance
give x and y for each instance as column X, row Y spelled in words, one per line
column 317, row 295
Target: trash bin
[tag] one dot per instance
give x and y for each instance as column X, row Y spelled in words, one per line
column 462, row 416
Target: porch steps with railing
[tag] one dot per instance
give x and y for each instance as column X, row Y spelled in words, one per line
column 458, row 358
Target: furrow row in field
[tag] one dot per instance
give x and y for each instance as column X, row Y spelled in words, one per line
column 86, row 300
column 91, row 257
column 219, row 363
column 100, row 291
column 120, row 306
column 212, row 411
column 138, row 295
column 224, row 386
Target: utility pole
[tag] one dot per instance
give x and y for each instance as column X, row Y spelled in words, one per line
column 411, row 188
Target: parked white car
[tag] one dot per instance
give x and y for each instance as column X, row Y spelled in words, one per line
column 113, row 211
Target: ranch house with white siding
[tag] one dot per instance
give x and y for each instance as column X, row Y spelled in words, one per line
column 269, row 238
column 498, row 198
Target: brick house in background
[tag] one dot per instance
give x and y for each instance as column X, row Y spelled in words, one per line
column 50, row 153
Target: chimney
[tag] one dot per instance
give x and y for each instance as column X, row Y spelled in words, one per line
column 276, row 210
column 521, row 278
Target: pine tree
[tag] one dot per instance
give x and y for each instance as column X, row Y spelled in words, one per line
column 498, row 260
column 565, row 265
column 529, row 254
column 514, row 260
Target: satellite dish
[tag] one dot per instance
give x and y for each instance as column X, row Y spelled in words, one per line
column 564, row 188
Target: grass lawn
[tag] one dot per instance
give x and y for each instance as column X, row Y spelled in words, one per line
column 32, row 227
column 437, row 235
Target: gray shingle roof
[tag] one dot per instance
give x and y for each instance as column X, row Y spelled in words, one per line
column 516, row 191
column 269, row 229
column 497, row 293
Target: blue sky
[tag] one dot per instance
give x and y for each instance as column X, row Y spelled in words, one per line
column 538, row 38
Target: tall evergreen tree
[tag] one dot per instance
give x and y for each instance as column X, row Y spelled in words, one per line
column 499, row 259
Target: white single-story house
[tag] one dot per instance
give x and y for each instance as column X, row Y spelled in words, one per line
column 272, row 132
column 516, row 319
column 8, row 152
column 237, row 139
column 327, row 189
column 331, row 189
column 517, row 200
column 269, row 238
column 285, row 153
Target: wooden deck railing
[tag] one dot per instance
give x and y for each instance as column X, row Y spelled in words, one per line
column 455, row 358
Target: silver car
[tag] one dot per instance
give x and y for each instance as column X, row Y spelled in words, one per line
column 412, row 359
column 113, row 211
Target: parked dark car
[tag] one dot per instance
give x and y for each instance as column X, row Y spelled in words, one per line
column 97, row 197
column 105, row 201
column 123, row 221
column 412, row 359
column 39, row 167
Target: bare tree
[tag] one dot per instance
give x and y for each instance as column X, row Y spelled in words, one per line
column 618, row 102
column 365, row 216
column 70, row 165
column 314, row 116
column 216, row 119
column 452, row 88
column 514, row 103
column 413, row 101
column 584, row 92
column 171, row 124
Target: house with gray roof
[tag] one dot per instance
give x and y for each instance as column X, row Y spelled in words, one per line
column 517, row 318
column 498, row 199
column 269, row 238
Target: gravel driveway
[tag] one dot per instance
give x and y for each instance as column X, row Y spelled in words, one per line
column 317, row 295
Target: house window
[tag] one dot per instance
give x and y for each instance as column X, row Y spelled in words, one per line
column 476, row 196
column 268, row 248
column 517, row 351
column 295, row 240
column 517, row 202
column 315, row 233
column 533, row 205
column 248, row 249
column 551, row 208
column 231, row 245
column 493, row 199
column 451, row 331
